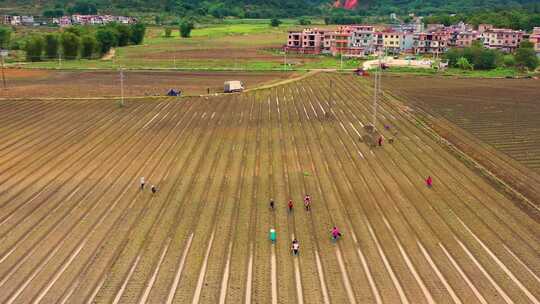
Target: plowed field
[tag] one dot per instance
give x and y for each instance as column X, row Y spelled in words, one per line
column 76, row 228
column 55, row 84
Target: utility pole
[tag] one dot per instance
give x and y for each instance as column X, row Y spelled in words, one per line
column 122, row 87
column 376, row 91
column 285, row 60
column 3, row 54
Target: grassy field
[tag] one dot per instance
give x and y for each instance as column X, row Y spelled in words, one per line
column 76, row 228
column 225, row 46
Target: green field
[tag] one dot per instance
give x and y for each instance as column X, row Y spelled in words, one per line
column 231, row 45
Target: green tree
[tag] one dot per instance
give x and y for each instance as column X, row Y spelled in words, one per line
column 509, row 61
column 106, row 38
column 5, row 36
column 185, row 29
column 34, row 48
column 464, row 64
column 138, row 30
column 52, row 44
column 84, row 8
column 124, row 34
column 304, row 21
column 526, row 57
column 53, row 13
column 89, row 45
column 275, row 22
column 168, row 32
column 71, row 44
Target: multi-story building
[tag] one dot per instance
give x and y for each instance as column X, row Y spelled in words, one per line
column 534, row 38
column 463, row 39
column 505, row 40
column 431, row 43
column 484, row 27
column 397, row 42
column 362, row 37
column 308, row 41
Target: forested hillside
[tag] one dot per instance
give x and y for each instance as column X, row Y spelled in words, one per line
column 261, row 8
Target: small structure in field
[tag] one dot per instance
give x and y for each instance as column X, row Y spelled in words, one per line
column 233, row 86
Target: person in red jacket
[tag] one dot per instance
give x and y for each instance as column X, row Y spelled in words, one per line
column 380, row 141
column 290, row 206
column 429, row 182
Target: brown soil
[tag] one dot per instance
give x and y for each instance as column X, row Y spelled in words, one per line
column 41, row 83
column 77, row 228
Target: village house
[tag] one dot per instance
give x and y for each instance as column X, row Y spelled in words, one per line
column 308, row 41
column 434, row 43
column 363, row 40
column 464, row 39
column 505, row 40
column 534, row 38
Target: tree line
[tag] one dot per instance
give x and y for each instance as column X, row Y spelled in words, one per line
column 477, row 57
column 516, row 19
column 75, row 42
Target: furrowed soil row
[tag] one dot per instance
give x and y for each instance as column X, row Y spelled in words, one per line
column 45, row 132
column 236, row 271
column 264, row 285
column 344, row 220
column 479, row 183
column 83, row 241
column 76, row 228
column 103, row 257
column 54, row 251
column 411, row 242
column 238, row 200
column 254, row 228
column 214, row 286
column 192, row 277
column 315, row 264
column 491, row 153
column 280, row 185
column 112, row 289
column 32, row 205
column 170, row 230
column 54, row 160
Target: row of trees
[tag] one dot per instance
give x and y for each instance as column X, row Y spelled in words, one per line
column 514, row 19
column 82, row 42
column 479, row 58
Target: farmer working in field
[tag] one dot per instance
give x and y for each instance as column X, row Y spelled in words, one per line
column 295, row 247
column 142, row 183
column 272, row 204
column 429, row 182
column 307, row 202
column 290, row 206
column 336, row 234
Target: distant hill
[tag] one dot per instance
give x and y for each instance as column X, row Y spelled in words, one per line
column 261, row 8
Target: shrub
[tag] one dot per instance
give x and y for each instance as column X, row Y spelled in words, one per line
column 5, row 36
column 34, row 48
column 168, row 32
column 138, row 30
column 88, row 46
column 304, row 21
column 185, row 29
column 71, row 44
column 106, row 38
column 275, row 22
column 124, row 34
column 52, row 44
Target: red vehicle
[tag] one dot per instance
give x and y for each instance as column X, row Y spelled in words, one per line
column 361, row 72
